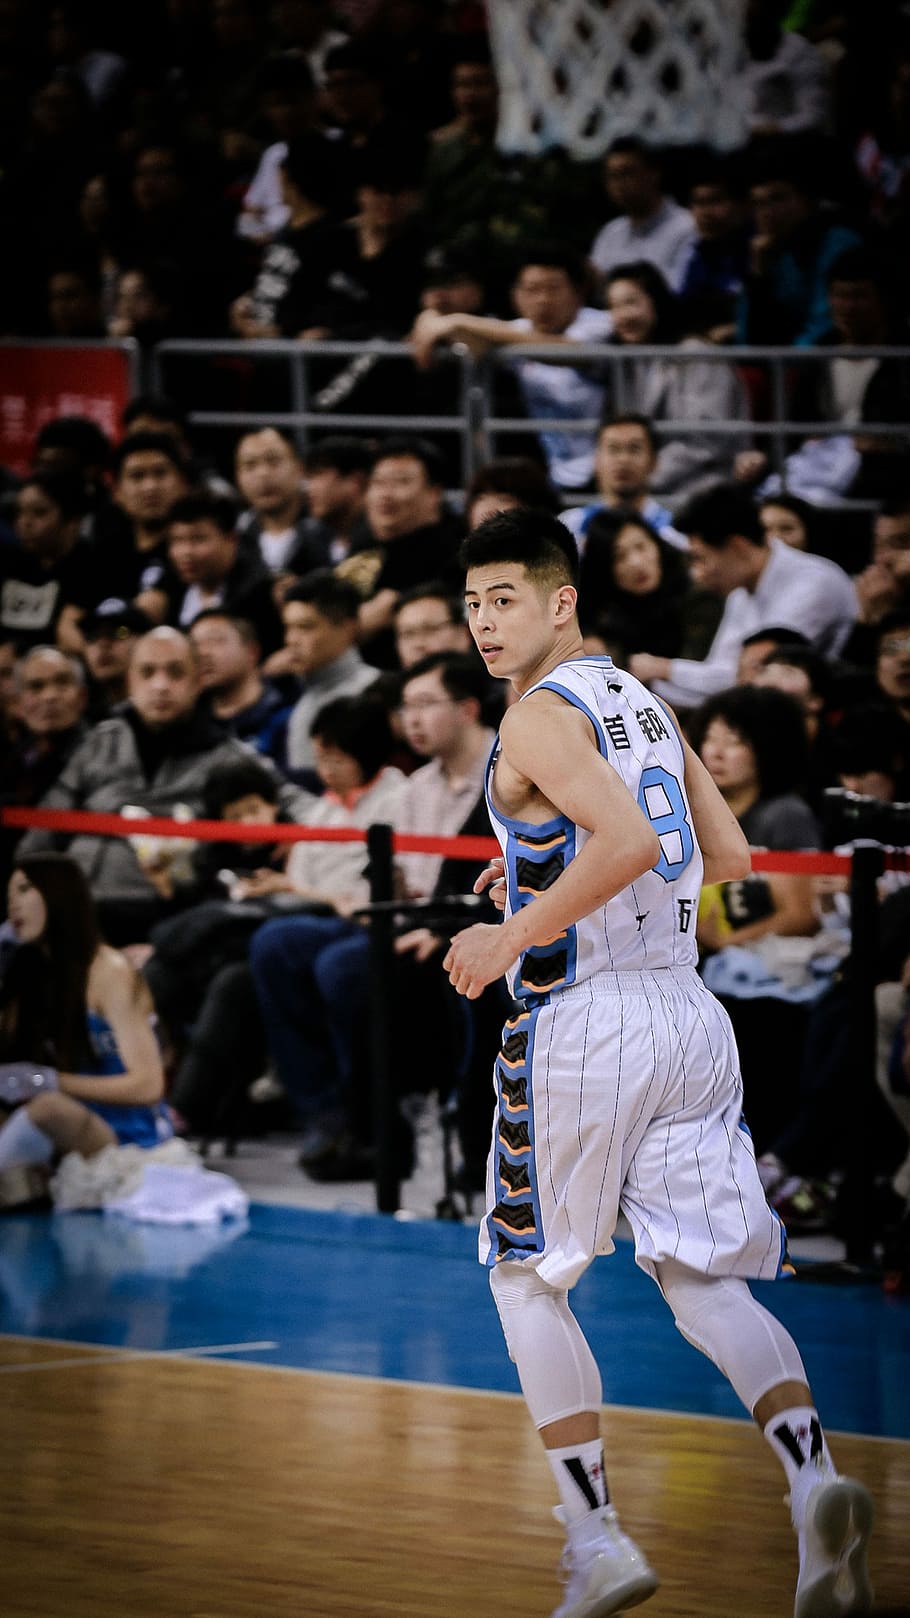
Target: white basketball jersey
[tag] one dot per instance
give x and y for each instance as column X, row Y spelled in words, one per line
column 651, row 923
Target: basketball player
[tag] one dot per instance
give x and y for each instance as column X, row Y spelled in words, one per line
column 618, row 1083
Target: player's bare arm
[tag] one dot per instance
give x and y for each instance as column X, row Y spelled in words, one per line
column 550, row 757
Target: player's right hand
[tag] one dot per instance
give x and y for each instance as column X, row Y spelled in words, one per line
column 493, row 878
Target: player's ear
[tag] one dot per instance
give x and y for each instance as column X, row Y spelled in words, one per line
column 566, row 601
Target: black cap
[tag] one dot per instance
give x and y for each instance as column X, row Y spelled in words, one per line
column 114, row 617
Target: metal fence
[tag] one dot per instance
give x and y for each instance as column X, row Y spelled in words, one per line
column 477, row 429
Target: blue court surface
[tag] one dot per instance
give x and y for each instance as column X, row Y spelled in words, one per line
column 407, row 1300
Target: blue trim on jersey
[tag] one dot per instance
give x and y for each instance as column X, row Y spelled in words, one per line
column 522, row 1243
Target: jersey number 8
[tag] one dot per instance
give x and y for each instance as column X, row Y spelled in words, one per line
column 660, row 796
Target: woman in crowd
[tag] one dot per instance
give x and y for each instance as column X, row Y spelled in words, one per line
column 790, row 519
column 80, row 1068
column 635, row 592
column 760, row 933
column 645, row 311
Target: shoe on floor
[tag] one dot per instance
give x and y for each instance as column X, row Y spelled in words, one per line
column 833, row 1577
column 604, row 1570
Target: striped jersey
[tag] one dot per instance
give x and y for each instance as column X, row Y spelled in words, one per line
column 651, row 923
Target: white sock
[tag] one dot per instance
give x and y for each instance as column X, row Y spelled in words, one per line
column 797, row 1440
column 580, row 1478
column 21, row 1141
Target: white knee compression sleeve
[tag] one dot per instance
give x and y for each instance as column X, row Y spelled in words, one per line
column 719, row 1315
column 558, row 1372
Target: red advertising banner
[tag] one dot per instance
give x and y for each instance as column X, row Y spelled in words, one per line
column 42, row 381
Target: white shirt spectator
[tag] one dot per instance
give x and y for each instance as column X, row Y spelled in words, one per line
column 561, row 391
column 796, row 591
column 665, row 239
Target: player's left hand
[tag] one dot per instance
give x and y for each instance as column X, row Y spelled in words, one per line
column 476, row 957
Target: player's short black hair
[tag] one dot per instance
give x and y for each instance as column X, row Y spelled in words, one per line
column 526, row 534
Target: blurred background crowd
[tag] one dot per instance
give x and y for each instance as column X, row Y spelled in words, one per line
column 258, row 627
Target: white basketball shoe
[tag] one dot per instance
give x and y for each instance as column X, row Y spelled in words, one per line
column 603, row 1569
column 833, row 1536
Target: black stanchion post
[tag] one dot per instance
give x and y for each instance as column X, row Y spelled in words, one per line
column 857, row 1200
column 379, row 846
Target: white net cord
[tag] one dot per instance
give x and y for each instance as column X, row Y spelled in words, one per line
column 579, row 73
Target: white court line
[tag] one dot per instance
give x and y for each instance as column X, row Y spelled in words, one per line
column 117, row 1356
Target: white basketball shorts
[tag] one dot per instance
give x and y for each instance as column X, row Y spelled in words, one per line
column 624, row 1092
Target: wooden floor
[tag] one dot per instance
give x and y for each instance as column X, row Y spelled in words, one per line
column 168, row 1487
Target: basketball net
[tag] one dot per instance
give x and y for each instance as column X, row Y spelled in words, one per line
column 579, row 73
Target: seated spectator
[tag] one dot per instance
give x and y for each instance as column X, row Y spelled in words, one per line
column 320, row 616
column 79, row 448
column 174, row 216
column 209, row 568
column 356, row 108
column 373, row 284
column 761, row 644
column 865, row 313
column 309, row 971
column 276, row 527
column 287, row 107
column 783, row 87
column 147, row 304
column 150, row 474
column 634, row 591
column 462, row 163
column 643, row 310
column 228, row 1049
column 335, row 476
column 892, row 666
column 788, row 518
column 297, row 266
column 507, row 481
column 73, row 301
column 761, row 583
column 548, row 296
column 454, row 282
column 156, row 413
column 428, row 618
column 233, row 690
column 884, row 586
column 719, row 255
column 52, row 575
column 882, row 154
column 649, row 225
column 155, row 755
column 109, row 631
column 412, row 536
column 624, row 464
column 76, row 1010
column 753, row 744
column 785, row 296
column 49, row 692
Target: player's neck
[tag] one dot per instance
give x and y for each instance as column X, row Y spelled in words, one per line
column 563, row 651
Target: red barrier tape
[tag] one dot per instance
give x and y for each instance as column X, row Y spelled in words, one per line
column 459, row 848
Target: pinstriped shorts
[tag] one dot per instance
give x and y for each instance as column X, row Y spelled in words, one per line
column 624, row 1092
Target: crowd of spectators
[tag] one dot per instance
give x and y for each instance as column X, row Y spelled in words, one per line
column 276, row 634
